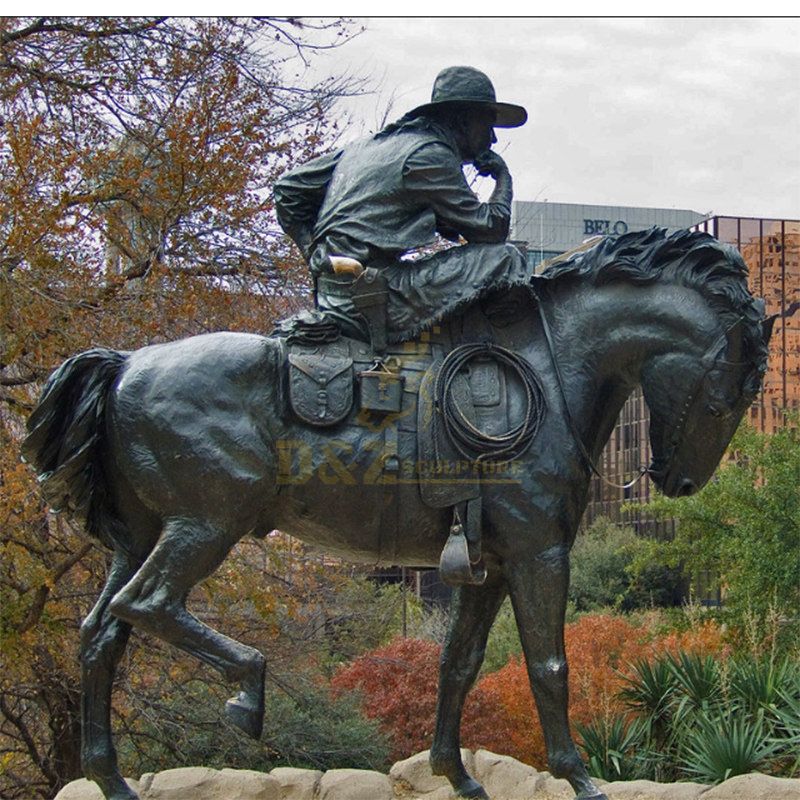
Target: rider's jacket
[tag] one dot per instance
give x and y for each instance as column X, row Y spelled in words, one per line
column 385, row 195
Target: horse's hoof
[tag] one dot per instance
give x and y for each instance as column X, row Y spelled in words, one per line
column 471, row 788
column 102, row 769
column 593, row 796
column 246, row 710
column 243, row 714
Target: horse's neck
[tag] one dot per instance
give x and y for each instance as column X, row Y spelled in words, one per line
column 604, row 336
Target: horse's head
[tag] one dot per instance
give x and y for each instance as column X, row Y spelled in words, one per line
column 698, row 383
column 696, row 404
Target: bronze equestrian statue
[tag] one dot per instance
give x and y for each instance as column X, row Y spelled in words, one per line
column 173, row 453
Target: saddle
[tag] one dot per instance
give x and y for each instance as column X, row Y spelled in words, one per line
column 328, row 371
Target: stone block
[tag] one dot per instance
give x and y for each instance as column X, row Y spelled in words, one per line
column 203, row 783
column 416, row 773
column 550, row 788
column 755, row 786
column 296, row 784
column 87, row 790
column 442, row 793
column 650, row 790
column 177, row 784
column 245, row 784
column 355, row 784
column 503, row 776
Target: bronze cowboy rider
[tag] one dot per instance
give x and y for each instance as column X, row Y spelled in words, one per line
column 380, row 197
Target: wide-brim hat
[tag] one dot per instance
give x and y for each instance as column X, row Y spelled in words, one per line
column 469, row 86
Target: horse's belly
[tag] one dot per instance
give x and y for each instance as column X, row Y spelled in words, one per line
column 368, row 524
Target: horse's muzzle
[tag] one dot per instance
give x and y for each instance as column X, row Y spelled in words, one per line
column 671, row 485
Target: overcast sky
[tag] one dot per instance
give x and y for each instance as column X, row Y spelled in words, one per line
column 675, row 113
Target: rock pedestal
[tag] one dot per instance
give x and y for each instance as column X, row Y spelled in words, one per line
column 503, row 777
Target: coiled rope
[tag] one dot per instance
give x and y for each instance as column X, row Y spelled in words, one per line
column 471, row 442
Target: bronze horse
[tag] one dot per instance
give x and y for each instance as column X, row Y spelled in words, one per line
column 171, row 455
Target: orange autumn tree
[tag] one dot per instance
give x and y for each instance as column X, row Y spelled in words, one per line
column 600, row 650
column 398, row 687
column 136, row 160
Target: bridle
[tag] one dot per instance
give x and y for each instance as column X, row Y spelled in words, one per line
column 710, row 360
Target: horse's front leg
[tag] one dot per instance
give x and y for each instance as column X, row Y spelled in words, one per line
column 472, row 612
column 538, row 586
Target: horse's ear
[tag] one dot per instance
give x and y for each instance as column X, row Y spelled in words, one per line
column 767, row 326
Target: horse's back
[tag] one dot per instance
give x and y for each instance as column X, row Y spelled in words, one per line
column 191, row 423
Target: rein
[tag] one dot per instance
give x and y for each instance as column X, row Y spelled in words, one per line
column 570, row 422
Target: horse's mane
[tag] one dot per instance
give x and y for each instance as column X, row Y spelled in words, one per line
column 685, row 258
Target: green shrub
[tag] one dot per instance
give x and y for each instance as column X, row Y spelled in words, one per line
column 598, row 564
column 602, row 575
column 744, row 527
column 503, row 642
column 316, row 731
column 307, row 728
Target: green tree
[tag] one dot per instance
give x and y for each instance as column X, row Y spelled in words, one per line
column 744, row 526
column 602, row 573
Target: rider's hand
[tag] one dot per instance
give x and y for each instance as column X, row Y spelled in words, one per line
column 489, row 163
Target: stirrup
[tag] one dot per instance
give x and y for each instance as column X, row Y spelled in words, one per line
column 455, row 566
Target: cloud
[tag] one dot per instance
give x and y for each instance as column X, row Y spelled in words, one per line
column 693, row 113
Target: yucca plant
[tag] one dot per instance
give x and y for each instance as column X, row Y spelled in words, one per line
column 649, row 690
column 758, row 684
column 717, row 746
column 787, row 728
column 615, row 748
column 697, row 682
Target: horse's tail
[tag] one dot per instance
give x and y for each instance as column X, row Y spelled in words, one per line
column 65, row 435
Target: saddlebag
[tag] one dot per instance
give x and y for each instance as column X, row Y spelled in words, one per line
column 321, row 383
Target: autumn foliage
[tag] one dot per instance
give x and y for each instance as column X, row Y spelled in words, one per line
column 398, row 684
column 137, row 156
column 600, row 648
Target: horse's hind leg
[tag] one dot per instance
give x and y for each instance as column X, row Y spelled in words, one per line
column 473, row 610
column 103, row 640
column 154, row 601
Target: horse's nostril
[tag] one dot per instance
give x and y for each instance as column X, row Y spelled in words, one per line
column 686, row 488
